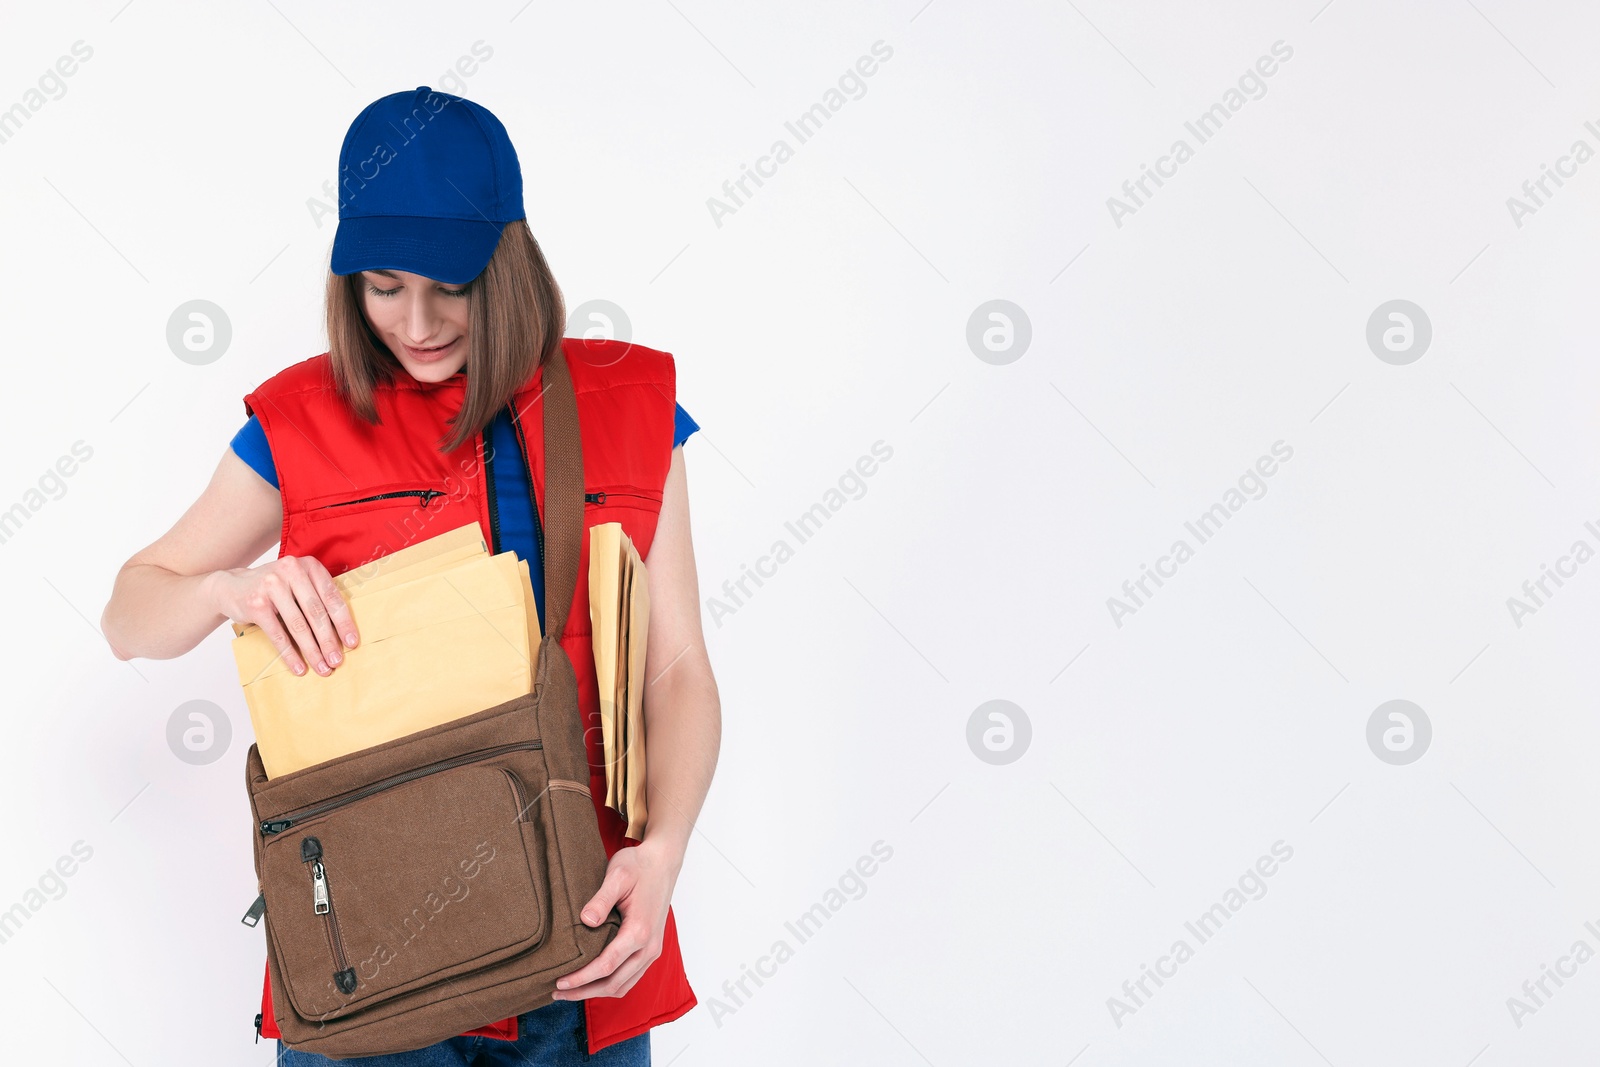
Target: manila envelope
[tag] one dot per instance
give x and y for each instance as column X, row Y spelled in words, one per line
column 409, row 562
column 605, row 619
column 433, row 648
column 633, row 730
column 619, row 607
column 617, row 780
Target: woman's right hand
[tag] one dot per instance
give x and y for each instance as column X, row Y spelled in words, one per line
column 291, row 595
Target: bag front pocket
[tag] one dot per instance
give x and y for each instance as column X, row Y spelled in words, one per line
column 407, row 881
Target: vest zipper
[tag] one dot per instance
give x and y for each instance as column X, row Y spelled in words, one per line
column 425, row 494
column 488, row 479
column 282, row 823
column 527, row 474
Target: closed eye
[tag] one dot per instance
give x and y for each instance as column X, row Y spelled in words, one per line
column 375, row 291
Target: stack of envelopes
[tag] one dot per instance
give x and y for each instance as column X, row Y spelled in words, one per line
column 446, row 630
column 619, row 614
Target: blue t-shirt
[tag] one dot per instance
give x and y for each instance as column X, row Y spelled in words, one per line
column 513, row 506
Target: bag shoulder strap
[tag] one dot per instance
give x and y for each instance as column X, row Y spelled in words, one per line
column 563, row 488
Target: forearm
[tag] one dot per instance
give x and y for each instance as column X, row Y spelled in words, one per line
column 683, row 733
column 156, row 614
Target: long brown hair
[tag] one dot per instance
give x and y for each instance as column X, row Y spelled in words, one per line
column 517, row 318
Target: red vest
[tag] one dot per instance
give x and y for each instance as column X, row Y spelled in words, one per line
column 353, row 491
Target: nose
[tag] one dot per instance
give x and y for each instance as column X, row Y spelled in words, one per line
column 421, row 320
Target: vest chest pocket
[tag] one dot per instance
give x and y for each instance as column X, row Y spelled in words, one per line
column 621, row 496
column 635, row 507
column 350, row 528
column 424, row 496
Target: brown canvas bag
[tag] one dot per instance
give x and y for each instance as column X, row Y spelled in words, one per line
column 431, row 885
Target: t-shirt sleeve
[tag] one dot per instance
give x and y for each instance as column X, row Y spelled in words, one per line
column 682, row 426
column 250, row 445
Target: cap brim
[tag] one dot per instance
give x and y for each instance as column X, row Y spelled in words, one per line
column 453, row 251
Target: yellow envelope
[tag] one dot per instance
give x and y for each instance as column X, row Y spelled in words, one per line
column 617, row 785
column 633, row 730
column 619, row 615
column 604, row 614
column 410, row 562
column 444, row 633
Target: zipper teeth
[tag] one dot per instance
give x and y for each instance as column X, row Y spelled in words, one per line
column 335, row 938
column 330, row 918
column 283, row 822
column 600, row 497
column 533, row 494
column 425, row 494
column 489, row 488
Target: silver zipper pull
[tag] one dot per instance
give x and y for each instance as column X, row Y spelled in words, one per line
column 319, row 889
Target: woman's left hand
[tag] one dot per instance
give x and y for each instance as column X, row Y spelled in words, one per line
column 639, row 881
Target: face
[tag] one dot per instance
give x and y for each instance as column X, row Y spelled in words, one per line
column 423, row 322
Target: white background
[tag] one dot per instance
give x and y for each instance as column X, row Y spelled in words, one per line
column 831, row 311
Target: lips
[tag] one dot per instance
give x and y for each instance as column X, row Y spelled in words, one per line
column 430, row 355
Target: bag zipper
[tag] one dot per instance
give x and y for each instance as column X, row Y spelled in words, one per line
column 283, row 822
column 425, row 494
column 344, row 975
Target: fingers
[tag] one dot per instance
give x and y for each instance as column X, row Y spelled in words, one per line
column 298, row 603
column 616, row 969
column 260, row 602
column 279, row 587
column 267, row 619
column 332, row 600
column 611, row 890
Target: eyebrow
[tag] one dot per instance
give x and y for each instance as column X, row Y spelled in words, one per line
column 385, row 273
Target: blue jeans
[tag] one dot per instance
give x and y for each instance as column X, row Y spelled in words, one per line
column 551, row 1036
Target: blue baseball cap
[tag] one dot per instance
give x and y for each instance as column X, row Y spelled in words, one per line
column 427, row 181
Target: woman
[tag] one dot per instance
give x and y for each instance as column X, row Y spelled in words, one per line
column 439, row 302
